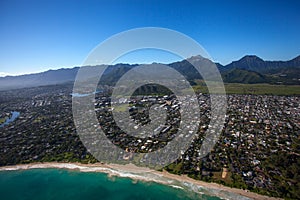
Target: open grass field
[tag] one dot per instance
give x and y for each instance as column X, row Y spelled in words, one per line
column 2, row 120
column 259, row 89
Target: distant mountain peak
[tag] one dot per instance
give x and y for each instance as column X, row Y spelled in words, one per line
column 251, row 57
column 248, row 62
column 296, row 59
column 195, row 58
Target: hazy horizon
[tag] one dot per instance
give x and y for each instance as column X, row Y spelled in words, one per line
column 123, row 60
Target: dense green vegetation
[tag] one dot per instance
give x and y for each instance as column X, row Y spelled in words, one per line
column 283, row 167
column 243, row 76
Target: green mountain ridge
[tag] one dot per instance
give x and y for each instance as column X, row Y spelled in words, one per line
column 249, row 69
column 243, row 76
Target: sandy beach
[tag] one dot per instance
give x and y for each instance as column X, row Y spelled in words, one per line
column 146, row 174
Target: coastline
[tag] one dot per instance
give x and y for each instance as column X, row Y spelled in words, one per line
column 148, row 175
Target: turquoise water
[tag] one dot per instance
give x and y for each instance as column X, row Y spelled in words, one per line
column 61, row 184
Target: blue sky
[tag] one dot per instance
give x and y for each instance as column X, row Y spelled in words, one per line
column 41, row 35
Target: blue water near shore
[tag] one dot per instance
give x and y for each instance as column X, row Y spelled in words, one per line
column 61, row 184
column 14, row 116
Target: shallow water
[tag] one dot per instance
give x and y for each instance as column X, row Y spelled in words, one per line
column 66, row 184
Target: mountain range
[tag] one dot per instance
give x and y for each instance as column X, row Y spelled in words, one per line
column 249, row 69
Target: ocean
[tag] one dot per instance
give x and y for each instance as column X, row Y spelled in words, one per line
column 61, row 184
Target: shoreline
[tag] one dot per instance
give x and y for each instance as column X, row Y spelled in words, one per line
column 148, row 175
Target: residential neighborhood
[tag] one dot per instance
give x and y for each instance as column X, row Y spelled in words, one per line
column 258, row 148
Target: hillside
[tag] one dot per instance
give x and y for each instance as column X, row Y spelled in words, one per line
column 249, row 69
column 243, row 76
